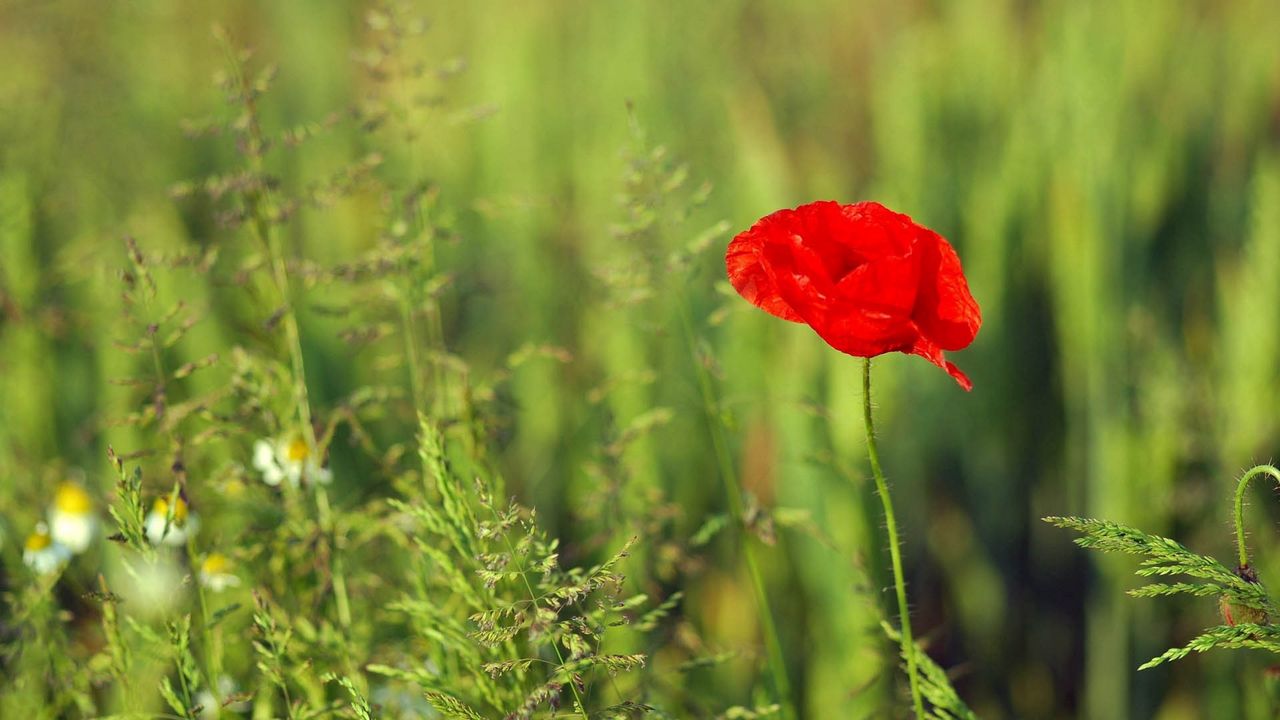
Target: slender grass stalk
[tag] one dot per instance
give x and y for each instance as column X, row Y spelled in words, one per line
column 294, row 339
column 733, row 496
column 412, row 297
column 209, row 647
column 1239, row 506
column 895, row 554
column 533, row 599
column 258, row 202
column 188, row 698
column 414, row 365
column 324, row 513
column 259, row 206
column 269, row 240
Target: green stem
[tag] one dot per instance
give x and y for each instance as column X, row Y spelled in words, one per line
column 211, row 651
column 212, row 668
column 891, row 525
column 411, row 354
column 533, row 599
column 293, row 338
column 1239, row 506
column 258, row 204
column 733, row 495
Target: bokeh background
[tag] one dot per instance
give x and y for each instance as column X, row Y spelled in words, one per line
column 1108, row 171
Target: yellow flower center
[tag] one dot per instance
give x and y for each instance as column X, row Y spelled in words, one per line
column 297, row 450
column 72, row 499
column 38, row 541
column 161, row 507
column 215, row 564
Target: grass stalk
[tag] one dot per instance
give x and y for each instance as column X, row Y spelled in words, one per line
column 258, row 202
column 293, row 339
column 258, row 206
column 733, row 496
column 210, row 649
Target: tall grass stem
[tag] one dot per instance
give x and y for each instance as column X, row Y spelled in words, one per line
column 258, row 206
column 733, row 495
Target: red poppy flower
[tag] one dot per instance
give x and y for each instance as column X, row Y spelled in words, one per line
column 868, row 280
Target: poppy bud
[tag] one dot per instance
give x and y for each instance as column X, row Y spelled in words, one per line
column 1234, row 613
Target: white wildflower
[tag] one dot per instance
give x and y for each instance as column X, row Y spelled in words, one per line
column 170, row 529
column 226, row 690
column 217, row 573
column 72, row 521
column 289, row 458
column 42, row 553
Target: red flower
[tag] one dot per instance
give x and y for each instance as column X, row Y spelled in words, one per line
column 868, row 280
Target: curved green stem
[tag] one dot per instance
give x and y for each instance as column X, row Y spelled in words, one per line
column 891, row 524
column 1239, row 506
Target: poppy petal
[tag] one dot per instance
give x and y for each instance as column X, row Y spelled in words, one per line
column 931, row 352
column 847, row 326
column 750, row 278
column 866, row 279
column 945, row 310
column 874, row 231
column 888, row 285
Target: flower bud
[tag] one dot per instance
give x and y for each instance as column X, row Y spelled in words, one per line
column 1234, row 613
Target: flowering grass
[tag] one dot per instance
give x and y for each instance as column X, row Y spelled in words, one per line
column 228, row 582
column 396, row 374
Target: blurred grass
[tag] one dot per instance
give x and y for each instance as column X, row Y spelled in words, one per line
column 1109, row 172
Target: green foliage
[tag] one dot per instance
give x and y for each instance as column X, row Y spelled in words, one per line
column 944, row 702
column 128, row 512
column 1163, row 557
column 520, row 631
column 1243, row 635
column 428, row 588
column 440, row 210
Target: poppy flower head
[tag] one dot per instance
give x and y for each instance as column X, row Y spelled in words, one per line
column 868, row 280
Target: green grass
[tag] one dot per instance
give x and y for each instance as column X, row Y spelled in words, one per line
column 1109, row 173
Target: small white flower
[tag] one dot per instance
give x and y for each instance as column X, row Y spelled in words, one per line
column 209, row 704
column 264, row 459
column 72, row 521
column 289, row 458
column 162, row 527
column 217, row 573
column 42, row 553
column 225, row 689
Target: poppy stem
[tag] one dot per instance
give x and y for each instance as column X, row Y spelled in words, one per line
column 1239, row 506
column 891, row 525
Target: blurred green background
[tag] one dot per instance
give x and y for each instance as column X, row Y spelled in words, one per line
column 1108, row 171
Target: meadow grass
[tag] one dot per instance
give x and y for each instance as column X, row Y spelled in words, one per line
column 469, row 252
